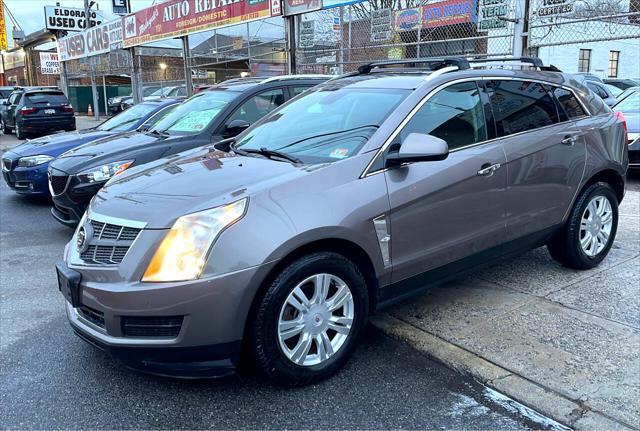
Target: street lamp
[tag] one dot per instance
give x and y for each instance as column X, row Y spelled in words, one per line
column 163, row 67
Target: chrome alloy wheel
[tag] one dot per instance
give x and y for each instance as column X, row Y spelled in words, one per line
column 595, row 226
column 315, row 319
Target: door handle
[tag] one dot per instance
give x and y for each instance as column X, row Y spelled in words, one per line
column 569, row 140
column 487, row 170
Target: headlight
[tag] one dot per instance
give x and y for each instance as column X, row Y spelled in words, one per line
column 104, row 172
column 30, row 161
column 183, row 251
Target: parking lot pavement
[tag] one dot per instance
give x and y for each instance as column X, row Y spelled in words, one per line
column 50, row 379
column 564, row 342
column 10, row 140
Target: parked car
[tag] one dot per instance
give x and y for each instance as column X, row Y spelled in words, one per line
column 630, row 108
column 207, row 117
column 628, row 92
column 31, row 111
column 622, row 84
column 115, row 103
column 615, row 91
column 171, row 91
column 603, row 91
column 360, row 192
column 590, row 77
column 5, row 92
column 24, row 168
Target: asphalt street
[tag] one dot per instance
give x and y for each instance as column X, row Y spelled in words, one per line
column 50, row 379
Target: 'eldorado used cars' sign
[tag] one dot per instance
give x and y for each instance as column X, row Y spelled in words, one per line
column 175, row 18
column 96, row 40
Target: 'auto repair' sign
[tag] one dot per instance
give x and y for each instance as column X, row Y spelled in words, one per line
column 175, row 18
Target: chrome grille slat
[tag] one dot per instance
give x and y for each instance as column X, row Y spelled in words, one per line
column 58, row 183
column 109, row 243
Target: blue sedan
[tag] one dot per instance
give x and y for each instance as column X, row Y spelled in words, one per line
column 24, row 167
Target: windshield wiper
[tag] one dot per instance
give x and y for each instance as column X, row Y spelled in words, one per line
column 375, row 126
column 157, row 133
column 270, row 154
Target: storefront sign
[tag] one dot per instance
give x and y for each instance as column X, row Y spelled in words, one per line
column 550, row 8
column 49, row 63
column 407, row 19
column 69, row 18
column 3, row 29
column 448, row 12
column 381, row 23
column 328, row 4
column 120, row 7
column 175, row 18
column 307, row 34
column 490, row 13
column 97, row 40
column 296, row 7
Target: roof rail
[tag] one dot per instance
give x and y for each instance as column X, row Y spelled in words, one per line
column 283, row 77
column 431, row 63
column 524, row 61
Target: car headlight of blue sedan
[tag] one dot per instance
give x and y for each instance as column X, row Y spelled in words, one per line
column 31, row 161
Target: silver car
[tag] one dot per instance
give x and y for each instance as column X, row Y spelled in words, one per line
column 365, row 190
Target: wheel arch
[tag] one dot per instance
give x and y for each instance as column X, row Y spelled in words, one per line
column 609, row 176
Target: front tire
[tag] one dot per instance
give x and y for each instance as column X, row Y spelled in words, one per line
column 309, row 320
column 590, row 230
column 3, row 127
column 19, row 133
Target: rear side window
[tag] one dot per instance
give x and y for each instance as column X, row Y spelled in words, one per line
column 454, row 114
column 598, row 90
column 519, row 106
column 569, row 103
column 54, row 98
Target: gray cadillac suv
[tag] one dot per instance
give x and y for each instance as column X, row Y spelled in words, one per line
column 360, row 192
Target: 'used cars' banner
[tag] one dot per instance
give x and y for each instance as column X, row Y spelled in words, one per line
column 175, row 18
column 97, row 40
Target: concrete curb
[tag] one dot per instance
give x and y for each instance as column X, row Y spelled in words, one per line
column 570, row 413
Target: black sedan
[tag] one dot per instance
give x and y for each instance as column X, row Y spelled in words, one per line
column 208, row 117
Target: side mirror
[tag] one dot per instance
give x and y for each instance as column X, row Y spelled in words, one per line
column 419, row 147
column 235, row 128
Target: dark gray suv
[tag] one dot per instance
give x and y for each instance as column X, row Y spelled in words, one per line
column 362, row 191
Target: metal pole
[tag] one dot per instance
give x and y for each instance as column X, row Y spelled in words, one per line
column 290, row 40
column 249, row 45
column 341, row 60
column 521, row 27
column 94, row 87
column 187, row 66
column 104, row 94
column 349, row 45
column 136, row 82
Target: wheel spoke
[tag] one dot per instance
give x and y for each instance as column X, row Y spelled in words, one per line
column 606, row 217
column 301, row 350
column 594, row 245
column 341, row 296
column 323, row 344
column 600, row 203
column 592, row 209
column 603, row 237
column 290, row 328
column 341, row 325
column 321, row 288
column 583, row 224
column 299, row 300
column 586, row 240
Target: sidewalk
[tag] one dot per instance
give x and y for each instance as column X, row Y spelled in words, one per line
column 565, row 343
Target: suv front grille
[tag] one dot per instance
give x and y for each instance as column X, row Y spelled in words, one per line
column 6, row 164
column 58, row 183
column 109, row 243
column 161, row 327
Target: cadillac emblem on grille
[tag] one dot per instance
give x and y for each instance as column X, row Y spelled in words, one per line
column 82, row 241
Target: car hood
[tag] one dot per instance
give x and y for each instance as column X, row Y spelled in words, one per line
column 108, row 149
column 161, row 191
column 55, row 145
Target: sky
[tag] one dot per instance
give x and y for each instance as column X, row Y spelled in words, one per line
column 30, row 16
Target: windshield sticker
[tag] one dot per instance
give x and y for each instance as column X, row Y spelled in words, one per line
column 194, row 121
column 339, row 153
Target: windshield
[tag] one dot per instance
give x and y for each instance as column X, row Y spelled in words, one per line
column 4, row 94
column 51, row 97
column 614, row 90
column 324, row 125
column 196, row 113
column 631, row 103
column 127, row 120
column 148, row 91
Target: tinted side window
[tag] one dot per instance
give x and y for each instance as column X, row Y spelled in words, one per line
column 519, row 106
column 597, row 89
column 454, row 114
column 258, row 106
column 569, row 103
column 298, row 90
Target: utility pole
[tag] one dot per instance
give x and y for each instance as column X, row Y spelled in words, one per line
column 290, row 41
column 187, row 66
column 92, row 67
column 521, row 29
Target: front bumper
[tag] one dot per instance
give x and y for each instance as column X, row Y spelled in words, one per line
column 27, row 181
column 212, row 313
column 69, row 206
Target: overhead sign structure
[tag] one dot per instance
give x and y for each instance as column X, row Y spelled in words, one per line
column 3, row 29
column 297, row 7
column 97, row 40
column 69, row 18
column 175, row 18
column 49, row 63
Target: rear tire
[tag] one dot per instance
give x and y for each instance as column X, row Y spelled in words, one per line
column 297, row 340
column 588, row 235
column 4, row 129
column 19, row 133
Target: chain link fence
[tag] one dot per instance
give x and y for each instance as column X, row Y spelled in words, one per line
column 566, row 22
column 338, row 40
